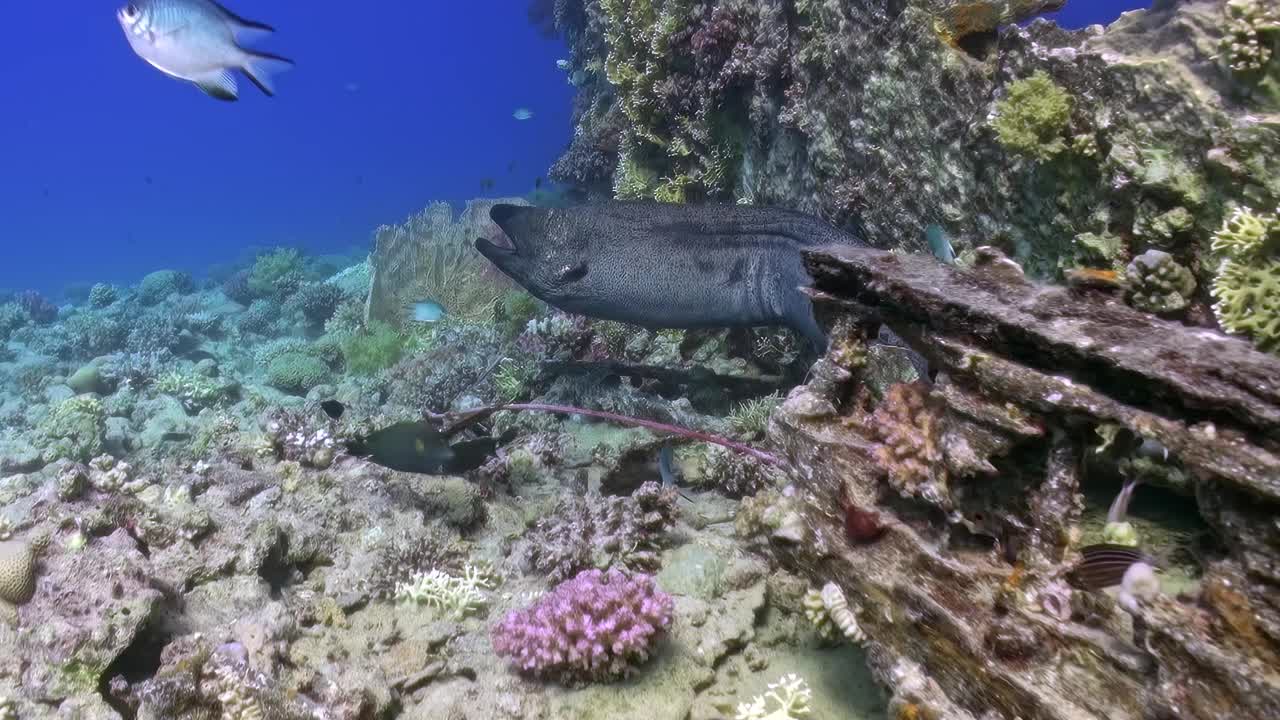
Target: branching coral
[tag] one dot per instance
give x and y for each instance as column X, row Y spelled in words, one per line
column 595, row 627
column 1247, row 284
column 598, row 531
column 786, row 699
column 446, row 594
column 908, row 428
column 1033, row 118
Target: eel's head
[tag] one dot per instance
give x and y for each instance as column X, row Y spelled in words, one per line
column 546, row 256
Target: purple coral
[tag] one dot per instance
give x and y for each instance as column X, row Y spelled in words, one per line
column 41, row 311
column 596, row 627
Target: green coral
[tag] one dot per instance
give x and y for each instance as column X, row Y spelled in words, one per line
column 194, row 390
column 511, row 379
column 296, row 372
column 1158, row 284
column 161, row 284
column 752, row 417
column 664, row 156
column 1253, row 27
column 1247, row 284
column 1033, row 118
column 376, row 349
column 270, row 269
column 73, row 429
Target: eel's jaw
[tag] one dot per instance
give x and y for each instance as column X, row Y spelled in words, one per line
column 509, row 260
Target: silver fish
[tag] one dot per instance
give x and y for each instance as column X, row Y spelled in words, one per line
column 198, row 41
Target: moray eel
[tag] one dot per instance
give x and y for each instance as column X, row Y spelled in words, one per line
column 666, row 266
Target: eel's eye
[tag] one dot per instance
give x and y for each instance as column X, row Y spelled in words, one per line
column 573, row 273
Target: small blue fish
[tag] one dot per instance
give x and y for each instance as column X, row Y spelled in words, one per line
column 522, row 114
column 427, row 311
column 939, row 244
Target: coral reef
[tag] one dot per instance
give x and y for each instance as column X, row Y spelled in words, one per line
column 1159, row 284
column 1032, row 119
column 1247, row 284
column 596, row 531
column 786, row 699
column 595, row 627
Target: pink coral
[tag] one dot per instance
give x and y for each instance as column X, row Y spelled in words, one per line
column 596, row 627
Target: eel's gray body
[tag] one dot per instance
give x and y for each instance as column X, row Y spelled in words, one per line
column 666, row 266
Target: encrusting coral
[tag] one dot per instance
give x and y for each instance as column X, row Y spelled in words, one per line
column 595, row 627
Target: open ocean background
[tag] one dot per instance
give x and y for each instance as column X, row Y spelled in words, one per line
column 109, row 169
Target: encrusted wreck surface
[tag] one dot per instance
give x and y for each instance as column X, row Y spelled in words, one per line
column 976, row 484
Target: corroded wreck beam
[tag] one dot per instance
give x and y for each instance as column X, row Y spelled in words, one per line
column 976, row 480
column 1214, row 398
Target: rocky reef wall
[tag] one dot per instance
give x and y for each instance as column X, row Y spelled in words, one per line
column 951, row 516
column 1063, row 148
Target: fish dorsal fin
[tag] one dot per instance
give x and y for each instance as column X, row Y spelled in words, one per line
column 220, row 84
column 246, row 30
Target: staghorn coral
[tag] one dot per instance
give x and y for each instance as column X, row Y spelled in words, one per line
column 786, row 699
column 1033, row 118
column 596, row 627
column 1247, row 285
column 153, row 332
column 446, row 594
column 276, row 274
column 1158, row 284
column 599, row 531
column 907, row 426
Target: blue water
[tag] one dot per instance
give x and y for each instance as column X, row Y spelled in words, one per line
column 109, row 169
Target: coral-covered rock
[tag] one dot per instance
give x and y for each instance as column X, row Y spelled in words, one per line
column 596, row 627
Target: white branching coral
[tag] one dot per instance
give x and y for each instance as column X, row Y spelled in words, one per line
column 446, row 594
column 786, row 699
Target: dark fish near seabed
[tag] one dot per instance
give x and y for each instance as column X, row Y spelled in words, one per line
column 333, row 409
column 418, row 447
column 1104, row 565
column 198, row 41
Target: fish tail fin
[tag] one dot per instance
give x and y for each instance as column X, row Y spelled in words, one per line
column 244, row 27
column 259, row 67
